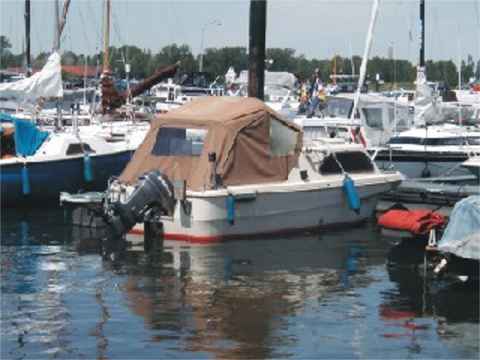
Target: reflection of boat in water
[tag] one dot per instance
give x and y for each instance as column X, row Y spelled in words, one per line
column 417, row 304
column 239, row 296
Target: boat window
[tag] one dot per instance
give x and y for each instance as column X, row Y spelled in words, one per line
column 445, row 141
column 406, row 140
column 283, row 139
column 391, row 116
column 75, row 149
column 179, row 142
column 311, row 133
column 473, row 140
column 373, row 117
column 339, row 107
column 352, row 162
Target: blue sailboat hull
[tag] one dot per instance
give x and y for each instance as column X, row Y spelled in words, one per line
column 48, row 178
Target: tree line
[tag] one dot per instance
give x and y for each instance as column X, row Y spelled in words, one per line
column 216, row 61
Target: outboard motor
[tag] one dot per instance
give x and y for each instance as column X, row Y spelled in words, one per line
column 153, row 196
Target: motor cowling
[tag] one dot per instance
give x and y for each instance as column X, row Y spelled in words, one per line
column 153, row 196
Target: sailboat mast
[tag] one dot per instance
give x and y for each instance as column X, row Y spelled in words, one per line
column 56, row 32
column 106, row 37
column 366, row 54
column 27, row 38
column 422, row 36
column 85, row 82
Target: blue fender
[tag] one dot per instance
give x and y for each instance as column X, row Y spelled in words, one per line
column 230, row 203
column 351, row 193
column 25, row 180
column 87, row 168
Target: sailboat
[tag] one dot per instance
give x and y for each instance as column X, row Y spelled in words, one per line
column 35, row 164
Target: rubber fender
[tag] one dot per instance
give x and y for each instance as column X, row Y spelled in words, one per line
column 25, row 181
column 87, row 168
column 352, row 194
column 230, row 203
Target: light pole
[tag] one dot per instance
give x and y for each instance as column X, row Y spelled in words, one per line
column 204, row 27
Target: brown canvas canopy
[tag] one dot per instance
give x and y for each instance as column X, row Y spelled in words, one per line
column 250, row 143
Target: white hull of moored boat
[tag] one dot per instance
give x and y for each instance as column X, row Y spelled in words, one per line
column 275, row 210
column 419, row 169
column 473, row 165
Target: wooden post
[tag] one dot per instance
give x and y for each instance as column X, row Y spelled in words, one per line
column 256, row 58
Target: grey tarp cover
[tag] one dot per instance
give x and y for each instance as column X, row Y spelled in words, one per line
column 462, row 235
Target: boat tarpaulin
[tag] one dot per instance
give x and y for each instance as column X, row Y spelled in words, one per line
column 418, row 222
column 46, row 83
column 462, row 235
column 28, row 138
column 218, row 140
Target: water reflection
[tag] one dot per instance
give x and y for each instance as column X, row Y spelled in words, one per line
column 417, row 302
column 33, row 291
column 311, row 296
column 235, row 299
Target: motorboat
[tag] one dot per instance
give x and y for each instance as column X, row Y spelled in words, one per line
column 375, row 121
column 239, row 169
column 431, row 151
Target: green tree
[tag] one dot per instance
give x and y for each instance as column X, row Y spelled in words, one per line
column 171, row 54
column 40, row 60
column 217, row 61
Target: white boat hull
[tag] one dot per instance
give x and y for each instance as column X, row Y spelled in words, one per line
column 268, row 213
column 415, row 169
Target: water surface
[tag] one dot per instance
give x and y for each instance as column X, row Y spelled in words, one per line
column 341, row 294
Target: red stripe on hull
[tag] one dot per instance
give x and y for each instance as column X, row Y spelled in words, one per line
column 209, row 239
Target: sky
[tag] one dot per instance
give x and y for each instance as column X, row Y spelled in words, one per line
column 314, row 28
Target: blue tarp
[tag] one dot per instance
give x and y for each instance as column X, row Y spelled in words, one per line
column 4, row 117
column 28, row 137
column 462, row 235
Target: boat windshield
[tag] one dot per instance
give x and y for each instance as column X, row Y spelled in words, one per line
column 339, row 107
column 352, row 162
column 373, row 117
